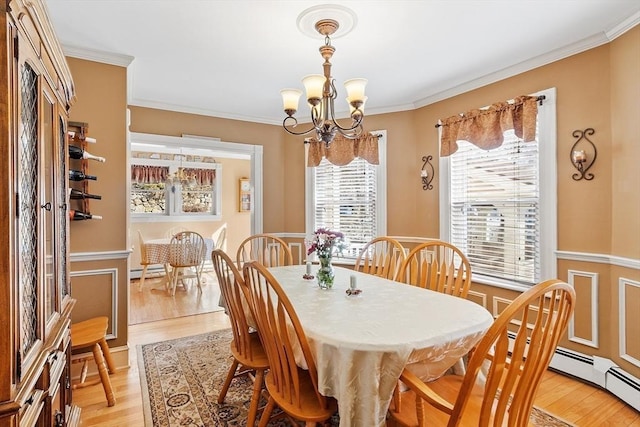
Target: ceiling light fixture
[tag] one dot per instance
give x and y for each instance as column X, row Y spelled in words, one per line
column 321, row 93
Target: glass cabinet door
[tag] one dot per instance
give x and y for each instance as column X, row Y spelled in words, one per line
column 48, row 207
column 28, row 243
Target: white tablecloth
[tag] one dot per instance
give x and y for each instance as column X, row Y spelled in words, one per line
column 361, row 344
column 158, row 250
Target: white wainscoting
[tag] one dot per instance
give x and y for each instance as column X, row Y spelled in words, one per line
column 593, row 342
column 113, row 272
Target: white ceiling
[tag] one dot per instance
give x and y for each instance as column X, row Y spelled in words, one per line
column 230, row 58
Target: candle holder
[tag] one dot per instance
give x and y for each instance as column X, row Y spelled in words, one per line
column 427, row 173
column 583, row 154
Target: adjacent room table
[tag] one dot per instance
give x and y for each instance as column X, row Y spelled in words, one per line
column 158, row 250
column 362, row 343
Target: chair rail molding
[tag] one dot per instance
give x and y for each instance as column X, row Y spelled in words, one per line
column 599, row 258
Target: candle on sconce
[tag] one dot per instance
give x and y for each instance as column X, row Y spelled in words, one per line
column 579, row 156
column 352, row 282
column 423, row 173
column 308, row 268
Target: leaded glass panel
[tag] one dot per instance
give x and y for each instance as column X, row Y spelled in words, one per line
column 28, row 212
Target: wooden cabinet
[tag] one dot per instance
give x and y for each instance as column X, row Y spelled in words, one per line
column 36, row 92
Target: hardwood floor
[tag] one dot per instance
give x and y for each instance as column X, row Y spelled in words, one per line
column 153, row 303
column 576, row 402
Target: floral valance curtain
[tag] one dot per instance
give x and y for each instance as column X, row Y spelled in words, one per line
column 202, row 176
column 485, row 127
column 343, row 150
column 144, row 174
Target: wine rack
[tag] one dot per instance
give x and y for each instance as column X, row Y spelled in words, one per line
column 78, row 133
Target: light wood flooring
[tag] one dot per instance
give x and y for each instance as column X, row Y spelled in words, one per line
column 153, row 303
column 576, row 402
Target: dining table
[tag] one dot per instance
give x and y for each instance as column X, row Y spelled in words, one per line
column 158, row 252
column 362, row 343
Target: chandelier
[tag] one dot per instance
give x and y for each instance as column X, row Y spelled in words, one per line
column 321, row 93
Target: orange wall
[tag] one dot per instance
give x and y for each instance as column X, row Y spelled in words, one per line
column 625, row 144
column 101, row 102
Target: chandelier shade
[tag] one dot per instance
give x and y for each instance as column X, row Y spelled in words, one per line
column 321, row 93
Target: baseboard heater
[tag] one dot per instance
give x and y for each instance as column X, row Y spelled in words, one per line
column 600, row 372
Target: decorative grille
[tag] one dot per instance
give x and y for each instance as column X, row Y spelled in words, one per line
column 28, row 209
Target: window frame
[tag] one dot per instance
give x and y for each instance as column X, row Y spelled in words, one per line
column 547, row 185
column 381, row 193
column 173, row 214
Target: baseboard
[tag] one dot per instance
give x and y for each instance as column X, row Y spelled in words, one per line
column 599, row 371
column 120, row 357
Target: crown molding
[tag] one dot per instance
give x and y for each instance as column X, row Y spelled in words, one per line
column 97, row 55
column 521, row 67
column 199, row 111
column 624, row 26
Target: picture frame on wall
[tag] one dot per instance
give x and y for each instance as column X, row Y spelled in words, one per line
column 244, row 197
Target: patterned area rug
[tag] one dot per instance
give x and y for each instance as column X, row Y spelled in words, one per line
column 181, row 379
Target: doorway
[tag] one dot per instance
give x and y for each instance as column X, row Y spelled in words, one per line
column 235, row 165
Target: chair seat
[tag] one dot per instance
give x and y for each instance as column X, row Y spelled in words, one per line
column 309, row 408
column 92, row 333
column 88, row 332
column 447, row 387
column 258, row 358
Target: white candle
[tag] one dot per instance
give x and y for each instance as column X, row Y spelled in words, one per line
column 308, row 268
column 352, row 282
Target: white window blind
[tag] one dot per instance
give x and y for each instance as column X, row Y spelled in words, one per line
column 495, row 208
column 350, row 199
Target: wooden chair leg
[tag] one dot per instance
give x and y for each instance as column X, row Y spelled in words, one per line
column 174, row 281
column 227, row 382
column 266, row 414
column 141, row 284
column 106, row 352
column 255, row 398
column 199, row 282
column 104, row 375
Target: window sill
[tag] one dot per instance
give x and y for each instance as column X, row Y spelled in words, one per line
column 174, row 218
column 498, row 283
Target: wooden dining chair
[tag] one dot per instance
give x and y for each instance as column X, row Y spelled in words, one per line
column 439, row 266
column 144, row 261
column 248, row 353
column 382, row 257
column 269, row 250
column 293, row 389
column 186, row 253
column 504, row 370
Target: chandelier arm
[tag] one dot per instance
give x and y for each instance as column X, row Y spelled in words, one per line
column 284, row 125
column 357, row 131
column 357, row 122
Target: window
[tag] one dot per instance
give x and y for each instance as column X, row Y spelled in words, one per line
column 350, row 199
column 171, row 184
column 498, row 206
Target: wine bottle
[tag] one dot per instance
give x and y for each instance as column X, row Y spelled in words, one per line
column 79, row 153
column 80, row 216
column 79, row 176
column 77, row 194
column 72, row 135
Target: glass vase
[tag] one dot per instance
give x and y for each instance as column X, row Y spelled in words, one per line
column 325, row 274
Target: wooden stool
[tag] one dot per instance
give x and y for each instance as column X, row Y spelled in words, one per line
column 92, row 333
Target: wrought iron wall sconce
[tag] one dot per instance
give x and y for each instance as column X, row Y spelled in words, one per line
column 427, row 173
column 583, row 154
